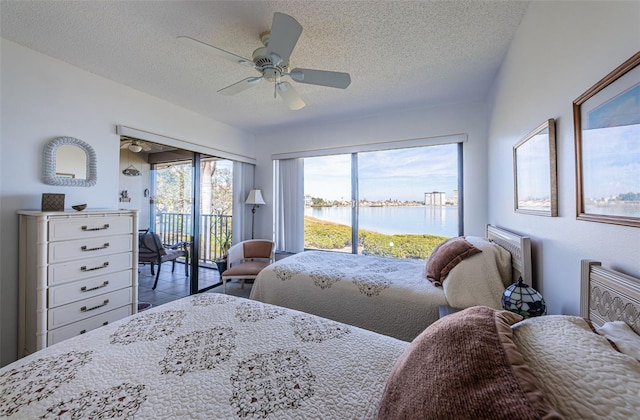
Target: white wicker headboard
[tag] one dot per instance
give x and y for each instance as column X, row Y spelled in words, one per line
column 520, row 249
column 608, row 295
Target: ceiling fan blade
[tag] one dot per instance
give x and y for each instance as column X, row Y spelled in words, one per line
column 285, row 32
column 124, row 144
column 240, row 86
column 321, row 77
column 215, row 51
column 290, row 96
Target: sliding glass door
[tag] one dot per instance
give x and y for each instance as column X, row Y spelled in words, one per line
column 192, row 203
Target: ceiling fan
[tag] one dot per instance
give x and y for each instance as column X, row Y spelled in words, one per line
column 135, row 145
column 272, row 62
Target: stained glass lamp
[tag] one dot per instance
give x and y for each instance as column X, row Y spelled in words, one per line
column 524, row 300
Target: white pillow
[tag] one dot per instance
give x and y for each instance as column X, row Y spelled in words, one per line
column 627, row 341
column 480, row 279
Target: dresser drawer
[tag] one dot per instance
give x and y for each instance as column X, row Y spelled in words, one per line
column 77, row 311
column 90, row 267
column 88, row 288
column 89, row 227
column 77, row 328
column 89, row 247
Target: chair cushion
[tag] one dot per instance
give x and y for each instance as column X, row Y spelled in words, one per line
column 257, row 249
column 248, row 268
column 150, row 243
column 172, row 254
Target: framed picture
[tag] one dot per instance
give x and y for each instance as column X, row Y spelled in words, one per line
column 607, row 145
column 534, row 169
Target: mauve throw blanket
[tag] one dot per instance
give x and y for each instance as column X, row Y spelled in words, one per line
column 464, row 366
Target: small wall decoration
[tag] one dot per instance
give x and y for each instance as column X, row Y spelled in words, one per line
column 52, row 202
column 124, row 196
column 607, row 145
column 132, row 171
column 534, row 164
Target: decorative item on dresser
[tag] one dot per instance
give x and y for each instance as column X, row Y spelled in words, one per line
column 78, row 271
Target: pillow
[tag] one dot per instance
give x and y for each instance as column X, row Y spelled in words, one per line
column 481, row 279
column 625, row 339
column 464, row 365
column 445, row 256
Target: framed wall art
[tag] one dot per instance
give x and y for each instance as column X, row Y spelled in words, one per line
column 534, row 168
column 607, row 145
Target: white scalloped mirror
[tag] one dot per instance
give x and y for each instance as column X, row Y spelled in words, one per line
column 69, row 162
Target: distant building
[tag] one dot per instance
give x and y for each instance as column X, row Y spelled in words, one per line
column 455, row 198
column 307, row 200
column 435, row 198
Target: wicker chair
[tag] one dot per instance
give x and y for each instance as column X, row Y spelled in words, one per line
column 152, row 251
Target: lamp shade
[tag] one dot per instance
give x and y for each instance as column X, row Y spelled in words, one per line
column 255, row 198
column 524, row 300
column 135, row 148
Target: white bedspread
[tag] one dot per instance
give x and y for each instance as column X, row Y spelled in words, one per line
column 208, row 356
column 579, row 372
column 385, row 295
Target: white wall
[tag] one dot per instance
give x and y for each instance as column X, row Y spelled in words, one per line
column 43, row 98
column 561, row 49
column 409, row 124
column 135, row 185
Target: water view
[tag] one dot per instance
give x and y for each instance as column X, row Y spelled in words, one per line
column 416, row 220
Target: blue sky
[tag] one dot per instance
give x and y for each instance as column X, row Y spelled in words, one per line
column 402, row 174
column 611, row 161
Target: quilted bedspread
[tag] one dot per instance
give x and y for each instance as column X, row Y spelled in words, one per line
column 386, row 295
column 205, row 356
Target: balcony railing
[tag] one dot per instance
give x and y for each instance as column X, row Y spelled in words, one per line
column 214, row 231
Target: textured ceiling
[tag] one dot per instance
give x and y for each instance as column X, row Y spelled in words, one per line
column 400, row 54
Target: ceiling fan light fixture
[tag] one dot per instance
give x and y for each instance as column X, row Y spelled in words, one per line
column 272, row 61
column 135, row 148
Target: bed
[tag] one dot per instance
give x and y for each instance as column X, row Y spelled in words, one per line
column 392, row 296
column 218, row 356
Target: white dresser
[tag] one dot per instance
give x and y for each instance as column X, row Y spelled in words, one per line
column 78, row 271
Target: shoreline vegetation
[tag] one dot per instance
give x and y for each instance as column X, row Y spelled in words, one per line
column 324, row 235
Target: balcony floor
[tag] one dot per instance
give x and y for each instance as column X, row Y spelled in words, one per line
column 172, row 286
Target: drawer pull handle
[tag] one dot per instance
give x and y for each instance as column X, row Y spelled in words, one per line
column 85, row 289
column 85, row 309
column 103, row 324
column 85, row 248
column 104, row 265
column 87, row 229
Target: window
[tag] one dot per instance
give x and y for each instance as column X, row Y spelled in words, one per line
column 398, row 203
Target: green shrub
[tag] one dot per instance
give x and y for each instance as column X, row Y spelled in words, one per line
column 320, row 234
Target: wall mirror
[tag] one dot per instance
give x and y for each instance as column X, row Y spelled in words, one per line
column 70, row 162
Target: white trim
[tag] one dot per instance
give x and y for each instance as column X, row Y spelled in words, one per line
column 370, row 147
column 181, row 144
